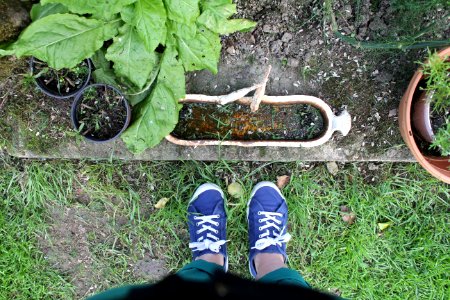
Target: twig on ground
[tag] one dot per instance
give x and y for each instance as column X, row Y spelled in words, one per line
column 6, row 95
column 259, row 93
column 4, row 98
column 225, row 99
column 260, row 89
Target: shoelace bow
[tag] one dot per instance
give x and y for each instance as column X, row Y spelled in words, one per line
column 270, row 220
column 210, row 240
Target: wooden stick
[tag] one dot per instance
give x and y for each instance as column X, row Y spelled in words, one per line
column 259, row 93
column 224, row 99
column 260, row 89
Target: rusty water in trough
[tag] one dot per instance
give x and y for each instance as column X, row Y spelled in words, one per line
column 200, row 121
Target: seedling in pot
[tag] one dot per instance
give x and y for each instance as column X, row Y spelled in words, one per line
column 62, row 83
column 437, row 74
column 100, row 113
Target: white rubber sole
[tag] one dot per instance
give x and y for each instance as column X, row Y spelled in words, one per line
column 206, row 187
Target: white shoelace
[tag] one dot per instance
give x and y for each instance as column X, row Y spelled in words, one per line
column 270, row 220
column 210, row 240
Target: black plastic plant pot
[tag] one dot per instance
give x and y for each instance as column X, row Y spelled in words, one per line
column 61, row 84
column 100, row 113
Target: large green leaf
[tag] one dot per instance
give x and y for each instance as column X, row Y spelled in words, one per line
column 215, row 17
column 172, row 74
column 131, row 58
column 186, row 31
column 103, row 72
column 127, row 14
column 157, row 115
column 78, row 6
column 110, row 7
column 183, row 11
column 39, row 11
column 230, row 26
column 104, row 8
column 150, row 21
column 135, row 96
column 6, row 52
column 99, row 60
column 201, row 52
column 64, row 40
column 105, row 76
column 224, row 8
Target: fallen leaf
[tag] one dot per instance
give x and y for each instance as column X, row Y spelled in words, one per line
column 392, row 112
column 231, row 50
column 235, row 190
column 336, row 292
column 344, row 208
column 282, row 181
column 349, row 218
column 161, row 203
column 372, row 167
column 332, row 168
column 383, row 226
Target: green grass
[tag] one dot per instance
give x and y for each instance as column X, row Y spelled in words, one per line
column 24, row 273
column 408, row 260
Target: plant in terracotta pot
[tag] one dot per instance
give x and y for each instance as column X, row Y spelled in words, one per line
column 436, row 104
column 425, row 115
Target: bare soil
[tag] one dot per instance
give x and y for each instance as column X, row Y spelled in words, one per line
column 71, row 246
column 67, row 245
column 151, row 269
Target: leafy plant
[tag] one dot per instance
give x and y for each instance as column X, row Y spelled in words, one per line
column 63, row 80
column 442, row 140
column 436, row 71
column 154, row 42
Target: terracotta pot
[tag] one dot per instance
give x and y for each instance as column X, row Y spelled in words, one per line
column 436, row 166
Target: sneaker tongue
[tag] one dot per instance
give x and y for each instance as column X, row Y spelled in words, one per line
column 266, row 197
column 209, row 207
column 273, row 207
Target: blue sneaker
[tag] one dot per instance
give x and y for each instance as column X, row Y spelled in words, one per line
column 267, row 215
column 207, row 222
